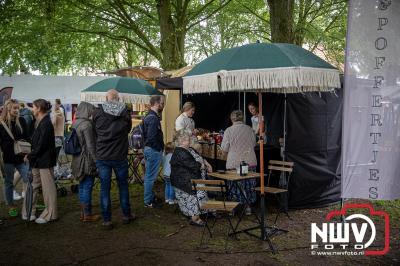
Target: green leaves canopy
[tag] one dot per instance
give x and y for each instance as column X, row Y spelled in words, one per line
column 84, row 37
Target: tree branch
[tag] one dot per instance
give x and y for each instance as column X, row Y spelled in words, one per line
column 118, row 6
column 209, row 15
column 113, row 37
column 198, row 12
column 255, row 14
column 140, row 9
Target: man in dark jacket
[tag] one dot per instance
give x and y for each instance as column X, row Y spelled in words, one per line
column 153, row 147
column 112, row 125
column 27, row 115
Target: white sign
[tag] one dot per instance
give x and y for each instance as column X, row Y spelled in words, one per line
column 371, row 123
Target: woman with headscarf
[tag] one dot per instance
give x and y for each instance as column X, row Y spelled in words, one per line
column 12, row 128
column 84, row 164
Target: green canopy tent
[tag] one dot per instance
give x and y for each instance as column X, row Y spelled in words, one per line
column 277, row 67
column 261, row 67
column 130, row 90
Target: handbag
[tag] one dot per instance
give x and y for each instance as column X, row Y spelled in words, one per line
column 20, row 146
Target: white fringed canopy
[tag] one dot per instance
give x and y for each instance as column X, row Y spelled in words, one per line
column 278, row 80
column 100, row 97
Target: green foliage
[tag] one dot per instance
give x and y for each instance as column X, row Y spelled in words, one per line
column 235, row 26
column 31, row 41
column 321, row 25
column 84, row 37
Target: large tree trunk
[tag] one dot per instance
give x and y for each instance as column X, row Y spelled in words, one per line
column 172, row 38
column 282, row 20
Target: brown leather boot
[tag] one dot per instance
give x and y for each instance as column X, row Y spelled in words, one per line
column 91, row 218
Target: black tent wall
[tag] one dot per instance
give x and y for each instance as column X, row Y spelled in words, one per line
column 213, row 110
column 169, row 83
column 313, row 143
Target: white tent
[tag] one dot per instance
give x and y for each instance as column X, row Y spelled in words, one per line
column 28, row 88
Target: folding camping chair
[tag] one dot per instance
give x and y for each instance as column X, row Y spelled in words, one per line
column 222, row 207
column 283, row 168
column 136, row 166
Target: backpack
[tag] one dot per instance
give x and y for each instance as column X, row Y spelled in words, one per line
column 72, row 145
column 137, row 135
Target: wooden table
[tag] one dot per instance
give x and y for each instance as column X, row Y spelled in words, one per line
column 232, row 176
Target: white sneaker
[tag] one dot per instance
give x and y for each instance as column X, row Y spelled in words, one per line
column 40, row 221
column 33, row 218
column 16, row 195
column 171, row 202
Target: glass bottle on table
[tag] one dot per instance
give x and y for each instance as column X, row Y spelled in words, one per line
column 243, row 168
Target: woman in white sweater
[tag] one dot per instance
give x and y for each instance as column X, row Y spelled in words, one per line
column 185, row 120
column 239, row 142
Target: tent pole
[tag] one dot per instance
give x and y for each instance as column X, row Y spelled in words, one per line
column 261, row 128
column 263, row 228
column 244, row 107
column 181, row 99
column 239, row 102
column 284, row 131
column 341, row 208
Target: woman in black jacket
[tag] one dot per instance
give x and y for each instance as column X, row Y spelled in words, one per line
column 42, row 160
column 12, row 128
column 187, row 164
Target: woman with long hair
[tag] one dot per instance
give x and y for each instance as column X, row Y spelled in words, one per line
column 84, row 164
column 42, row 160
column 12, row 128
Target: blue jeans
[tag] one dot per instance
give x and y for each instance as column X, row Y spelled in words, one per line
column 169, row 190
column 153, row 160
column 85, row 194
column 121, row 172
column 9, row 169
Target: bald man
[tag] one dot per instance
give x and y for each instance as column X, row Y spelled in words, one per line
column 112, row 95
column 112, row 123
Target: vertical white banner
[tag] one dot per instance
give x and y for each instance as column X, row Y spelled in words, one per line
column 371, row 122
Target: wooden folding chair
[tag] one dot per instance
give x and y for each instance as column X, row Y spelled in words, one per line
column 222, row 207
column 284, row 168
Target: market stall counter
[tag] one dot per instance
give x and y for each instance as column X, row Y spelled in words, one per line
column 213, row 153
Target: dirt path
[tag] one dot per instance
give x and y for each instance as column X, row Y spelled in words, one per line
column 163, row 237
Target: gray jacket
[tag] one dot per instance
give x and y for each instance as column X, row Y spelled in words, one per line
column 84, row 163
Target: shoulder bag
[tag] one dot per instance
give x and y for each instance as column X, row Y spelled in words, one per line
column 20, row 146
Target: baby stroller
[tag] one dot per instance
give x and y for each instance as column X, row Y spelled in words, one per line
column 63, row 175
